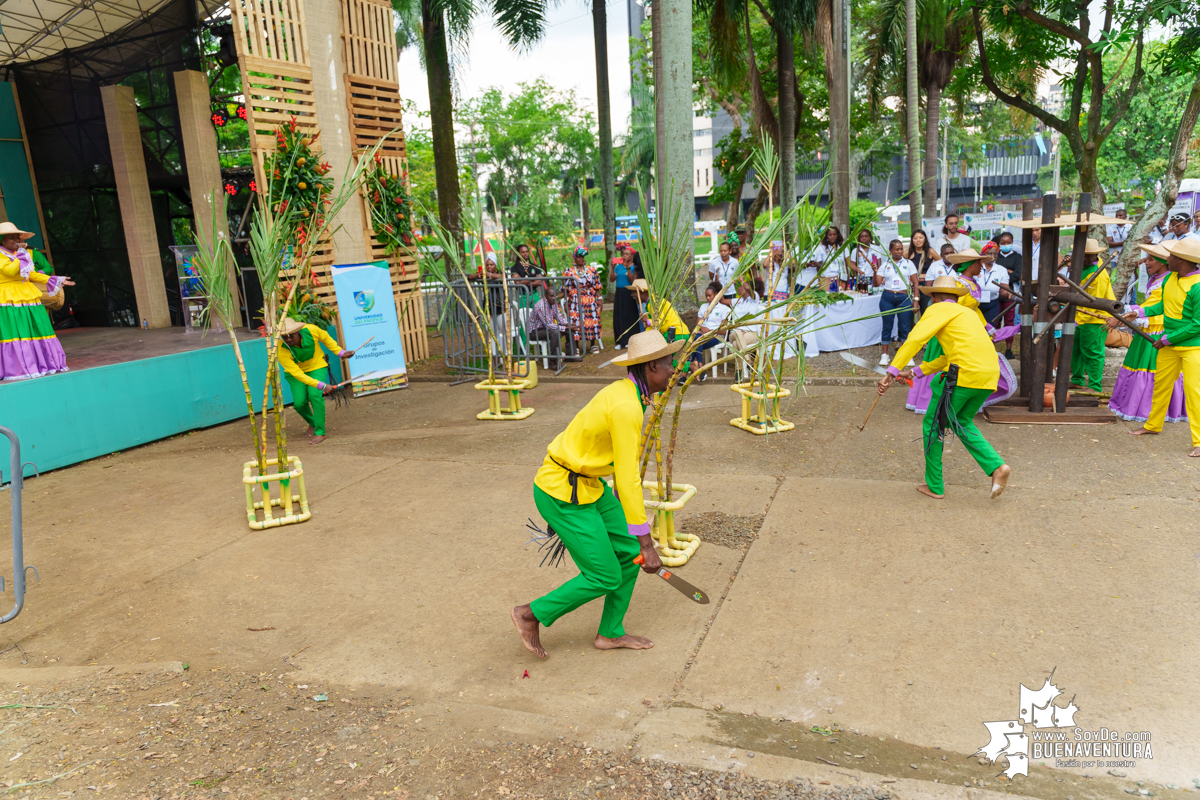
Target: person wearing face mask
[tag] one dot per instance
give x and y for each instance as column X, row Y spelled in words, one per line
column 1009, row 260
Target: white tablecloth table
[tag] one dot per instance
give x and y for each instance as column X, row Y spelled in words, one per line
column 841, row 326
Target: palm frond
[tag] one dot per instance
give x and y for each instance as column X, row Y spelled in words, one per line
column 523, row 22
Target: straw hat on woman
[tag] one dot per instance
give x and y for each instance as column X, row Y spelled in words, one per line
column 604, row 532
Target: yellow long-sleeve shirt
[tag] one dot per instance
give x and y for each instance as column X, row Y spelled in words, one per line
column 602, row 440
column 308, row 363
column 669, row 318
column 964, row 340
column 1101, row 287
column 15, row 289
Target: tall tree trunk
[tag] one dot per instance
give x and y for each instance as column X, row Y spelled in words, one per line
column 608, row 198
column 787, row 123
column 933, row 117
column 585, row 214
column 441, row 116
column 829, row 23
column 756, row 208
column 913, row 109
column 1176, row 164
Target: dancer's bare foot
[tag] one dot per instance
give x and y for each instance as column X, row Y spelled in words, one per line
column 628, row 642
column 1195, row 452
column 1000, row 480
column 528, row 626
column 309, row 431
column 925, row 490
column 1142, row 432
column 317, row 439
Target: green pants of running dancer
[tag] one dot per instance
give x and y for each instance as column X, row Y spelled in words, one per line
column 964, row 405
column 597, row 537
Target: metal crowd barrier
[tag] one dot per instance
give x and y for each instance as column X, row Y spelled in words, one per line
column 467, row 353
column 17, row 479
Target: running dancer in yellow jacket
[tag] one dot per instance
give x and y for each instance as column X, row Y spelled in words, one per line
column 603, row 532
column 967, row 345
column 307, row 371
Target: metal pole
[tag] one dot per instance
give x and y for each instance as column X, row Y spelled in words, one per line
column 18, row 540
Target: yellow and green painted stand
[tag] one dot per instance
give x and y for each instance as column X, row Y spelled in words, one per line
column 291, row 493
column 495, row 389
column 760, row 408
column 674, row 548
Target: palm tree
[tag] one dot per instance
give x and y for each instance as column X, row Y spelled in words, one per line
column 943, row 31
column 443, row 23
column 604, row 123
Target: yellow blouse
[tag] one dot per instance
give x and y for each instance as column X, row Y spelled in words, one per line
column 1101, row 287
column 601, row 440
column 13, row 288
column 299, row 370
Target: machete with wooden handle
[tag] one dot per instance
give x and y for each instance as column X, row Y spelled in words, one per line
column 679, row 583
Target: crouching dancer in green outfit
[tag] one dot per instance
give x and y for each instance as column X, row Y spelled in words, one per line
column 602, row 532
column 307, row 372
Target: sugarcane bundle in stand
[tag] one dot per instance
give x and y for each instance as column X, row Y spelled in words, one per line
column 440, row 259
column 292, row 220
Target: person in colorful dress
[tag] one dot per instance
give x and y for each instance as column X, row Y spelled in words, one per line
column 28, row 346
column 307, row 371
column 584, row 293
column 1133, row 393
column 1179, row 346
column 965, row 373
column 604, row 531
column 967, row 264
column 1087, row 348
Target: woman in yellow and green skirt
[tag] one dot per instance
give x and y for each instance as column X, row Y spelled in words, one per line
column 28, row 346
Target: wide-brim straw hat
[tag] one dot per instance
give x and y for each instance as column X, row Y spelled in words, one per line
column 1094, row 248
column 7, row 229
column 291, row 326
column 1187, row 249
column 964, row 257
column 945, row 285
column 647, row 346
column 1156, row 250
column 639, row 284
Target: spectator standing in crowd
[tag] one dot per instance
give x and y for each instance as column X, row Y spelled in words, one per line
column 865, row 258
column 584, row 292
column 1159, row 231
column 1117, row 234
column 989, row 299
column 722, row 267
column 524, row 267
column 923, row 256
column 821, row 260
column 898, row 277
column 1180, row 228
column 952, row 234
column 1010, row 261
column 547, row 323
column 625, row 310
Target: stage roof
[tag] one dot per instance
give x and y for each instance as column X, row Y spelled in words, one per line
column 31, row 30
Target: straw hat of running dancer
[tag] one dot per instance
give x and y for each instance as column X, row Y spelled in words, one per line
column 1187, row 249
column 945, row 285
column 1155, row 250
column 965, row 257
column 647, row 346
column 1094, row 248
column 291, row 326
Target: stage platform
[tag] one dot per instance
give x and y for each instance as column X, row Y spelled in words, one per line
column 127, row 387
column 100, row 347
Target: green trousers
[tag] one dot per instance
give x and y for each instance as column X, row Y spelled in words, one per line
column 308, row 400
column 964, row 406
column 1087, row 355
column 597, row 537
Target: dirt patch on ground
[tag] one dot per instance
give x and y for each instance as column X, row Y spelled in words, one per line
column 271, row 735
column 735, row 531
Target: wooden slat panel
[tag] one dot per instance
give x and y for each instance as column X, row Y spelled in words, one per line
column 370, row 40
column 271, row 30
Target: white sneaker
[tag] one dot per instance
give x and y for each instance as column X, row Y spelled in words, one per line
column 884, row 360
